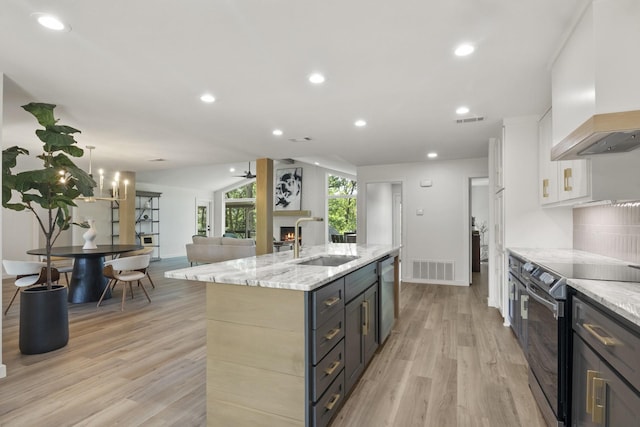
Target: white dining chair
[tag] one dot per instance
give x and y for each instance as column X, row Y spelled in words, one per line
column 28, row 273
column 126, row 270
column 143, row 251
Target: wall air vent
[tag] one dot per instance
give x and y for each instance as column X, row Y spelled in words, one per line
column 433, row 270
column 300, row 139
column 470, row 120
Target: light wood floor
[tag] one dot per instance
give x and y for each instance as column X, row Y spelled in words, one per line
column 448, row 362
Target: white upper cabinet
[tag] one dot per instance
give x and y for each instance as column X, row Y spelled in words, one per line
column 596, row 71
column 559, row 181
column 547, row 170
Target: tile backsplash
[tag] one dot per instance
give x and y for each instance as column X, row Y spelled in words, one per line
column 608, row 230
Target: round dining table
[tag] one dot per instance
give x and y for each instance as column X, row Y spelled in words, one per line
column 87, row 281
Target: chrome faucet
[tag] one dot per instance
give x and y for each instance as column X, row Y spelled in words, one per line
column 296, row 242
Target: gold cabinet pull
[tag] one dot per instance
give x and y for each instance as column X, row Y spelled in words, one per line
column 332, row 333
column 331, row 301
column 545, row 188
column 365, row 323
column 524, row 313
column 567, row 177
column 332, row 368
column 330, row 404
column 589, row 403
column 600, row 334
column 599, row 400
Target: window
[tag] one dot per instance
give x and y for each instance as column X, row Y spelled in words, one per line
column 341, row 203
column 240, row 211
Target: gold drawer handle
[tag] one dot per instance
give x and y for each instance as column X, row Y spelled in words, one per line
column 545, row 188
column 599, row 400
column 332, row 333
column 332, row 368
column 365, row 323
column 567, row 179
column 590, row 376
column 329, row 406
column 331, row 301
column 596, row 331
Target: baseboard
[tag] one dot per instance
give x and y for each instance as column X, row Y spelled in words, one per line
column 435, row 282
column 3, row 371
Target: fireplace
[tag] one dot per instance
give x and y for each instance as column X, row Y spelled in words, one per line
column 287, row 234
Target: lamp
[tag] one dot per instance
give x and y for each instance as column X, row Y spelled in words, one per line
column 115, row 184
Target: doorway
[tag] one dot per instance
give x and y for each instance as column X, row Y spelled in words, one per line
column 203, row 217
column 384, row 213
column 479, row 224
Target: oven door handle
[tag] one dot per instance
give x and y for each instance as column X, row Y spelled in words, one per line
column 557, row 308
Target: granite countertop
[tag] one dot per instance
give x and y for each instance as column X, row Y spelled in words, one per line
column 280, row 270
column 623, row 298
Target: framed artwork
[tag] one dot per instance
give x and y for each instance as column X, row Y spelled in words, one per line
column 288, row 196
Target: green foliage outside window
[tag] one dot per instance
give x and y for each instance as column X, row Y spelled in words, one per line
column 240, row 216
column 342, row 204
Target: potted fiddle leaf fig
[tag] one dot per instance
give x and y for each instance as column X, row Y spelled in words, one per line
column 48, row 193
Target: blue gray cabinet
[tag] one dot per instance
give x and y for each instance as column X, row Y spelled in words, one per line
column 605, row 371
column 344, row 338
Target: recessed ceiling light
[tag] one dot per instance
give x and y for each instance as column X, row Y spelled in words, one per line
column 51, row 22
column 277, row 132
column 232, row 169
column 360, row 123
column 462, row 110
column 432, row 155
column 464, row 50
column 316, row 163
column 208, row 98
column 316, row 78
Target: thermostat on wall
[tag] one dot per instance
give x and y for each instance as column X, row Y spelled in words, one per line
column 426, row 183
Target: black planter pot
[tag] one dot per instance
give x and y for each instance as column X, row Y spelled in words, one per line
column 44, row 319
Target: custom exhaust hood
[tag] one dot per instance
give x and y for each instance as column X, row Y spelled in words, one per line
column 601, row 134
column 595, row 84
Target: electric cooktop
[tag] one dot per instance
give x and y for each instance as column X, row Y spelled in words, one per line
column 607, row 272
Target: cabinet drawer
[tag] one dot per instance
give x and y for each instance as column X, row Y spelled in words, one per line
column 617, row 344
column 329, row 403
column 327, row 370
column 327, row 301
column 327, row 336
column 357, row 282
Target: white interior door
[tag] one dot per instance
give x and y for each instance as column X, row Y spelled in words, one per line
column 203, row 217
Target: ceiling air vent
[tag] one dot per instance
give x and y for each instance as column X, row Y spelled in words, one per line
column 470, row 120
column 300, row 139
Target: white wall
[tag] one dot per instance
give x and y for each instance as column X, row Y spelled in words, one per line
column 442, row 232
column 177, row 216
column 379, row 213
column 314, row 196
column 526, row 224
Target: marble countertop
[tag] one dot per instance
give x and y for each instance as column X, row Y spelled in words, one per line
column 280, row 270
column 623, row 298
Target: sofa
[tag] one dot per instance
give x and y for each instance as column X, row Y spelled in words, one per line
column 205, row 250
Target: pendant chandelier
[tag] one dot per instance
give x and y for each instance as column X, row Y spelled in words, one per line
column 115, row 184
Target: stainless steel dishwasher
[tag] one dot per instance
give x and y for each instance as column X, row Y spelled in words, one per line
column 386, row 281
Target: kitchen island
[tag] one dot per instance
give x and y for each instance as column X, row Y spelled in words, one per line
column 287, row 339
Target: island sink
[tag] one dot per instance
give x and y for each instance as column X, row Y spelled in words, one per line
column 329, row 260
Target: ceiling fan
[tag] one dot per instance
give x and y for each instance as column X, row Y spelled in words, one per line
column 247, row 174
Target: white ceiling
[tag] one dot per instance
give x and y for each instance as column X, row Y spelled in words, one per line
column 129, row 75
